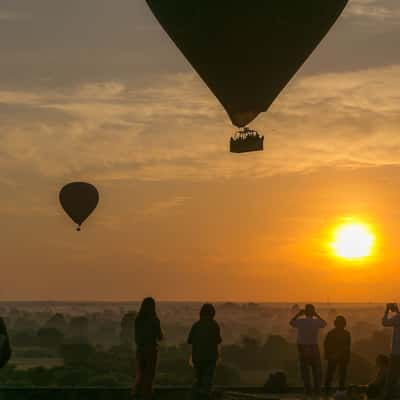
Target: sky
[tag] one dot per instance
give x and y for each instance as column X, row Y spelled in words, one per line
column 96, row 91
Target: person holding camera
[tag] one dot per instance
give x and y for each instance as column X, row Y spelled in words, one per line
column 391, row 318
column 307, row 341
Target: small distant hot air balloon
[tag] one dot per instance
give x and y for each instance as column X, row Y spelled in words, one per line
column 246, row 51
column 79, row 199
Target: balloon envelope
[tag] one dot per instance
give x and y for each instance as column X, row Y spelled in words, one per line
column 246, row 51
column 79, row 199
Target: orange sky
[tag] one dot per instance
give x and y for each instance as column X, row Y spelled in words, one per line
column 180, row 218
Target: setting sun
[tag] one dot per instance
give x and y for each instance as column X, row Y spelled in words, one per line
column 353, row 241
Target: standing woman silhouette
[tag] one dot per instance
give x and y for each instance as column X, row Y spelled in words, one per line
column 147, row 335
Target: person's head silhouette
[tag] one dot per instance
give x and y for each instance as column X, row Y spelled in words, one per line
column 309, row 310
column 207, row 311
column 340, row 322
column 148, row 308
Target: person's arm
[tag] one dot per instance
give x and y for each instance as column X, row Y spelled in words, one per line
column 386, row 320
column 3, row 329
column 219, row 338
column 348, row 345
column 136, row 333
column 3, row 338
column 190, row 341
column 326, row 345
column 295, row 318
column 321, row 320
column 160, row 335
column 190, row 337
column 3, row 332
column 219, row 341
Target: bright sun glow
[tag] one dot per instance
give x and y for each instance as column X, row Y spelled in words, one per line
column 353, row 241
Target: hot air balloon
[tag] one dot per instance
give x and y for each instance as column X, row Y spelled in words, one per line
column 79, row 199
column 246, row 51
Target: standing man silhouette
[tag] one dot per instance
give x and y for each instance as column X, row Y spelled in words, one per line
column 394, row 362
column 205, row 337
column 337, row 346
column 307, row 341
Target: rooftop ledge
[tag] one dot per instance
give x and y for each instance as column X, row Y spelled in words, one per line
column 162, row 393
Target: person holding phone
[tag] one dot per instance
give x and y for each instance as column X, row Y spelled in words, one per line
column 391, row 318
column 307, row 342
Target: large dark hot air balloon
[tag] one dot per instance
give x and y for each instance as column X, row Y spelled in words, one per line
column 79, row 199
column 246, row 51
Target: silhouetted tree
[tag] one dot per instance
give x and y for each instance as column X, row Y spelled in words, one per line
column 127, row 329
column 77, row 354
column 360, row 370
column 50, row 338
column 24, row 338
column 377, row 343
column 58, row 322
column 79, row 329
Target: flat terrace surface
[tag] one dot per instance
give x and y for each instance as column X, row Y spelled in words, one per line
column 162, row 393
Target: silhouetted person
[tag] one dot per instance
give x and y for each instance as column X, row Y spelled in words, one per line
column 375, row 388
column 205, row 337
column 307, row 341
column 5, row 348
column 337, row 346
column 147, row 335
column 394, row 361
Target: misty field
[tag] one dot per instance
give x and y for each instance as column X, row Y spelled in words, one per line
column 59, row 344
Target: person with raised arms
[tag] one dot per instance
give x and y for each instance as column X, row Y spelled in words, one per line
column 308, row 324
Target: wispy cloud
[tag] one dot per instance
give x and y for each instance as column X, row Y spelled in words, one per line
column 165, row 207
column 10, row 16
column 177, row 130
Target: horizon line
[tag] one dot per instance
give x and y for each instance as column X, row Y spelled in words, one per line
column 196, row 301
